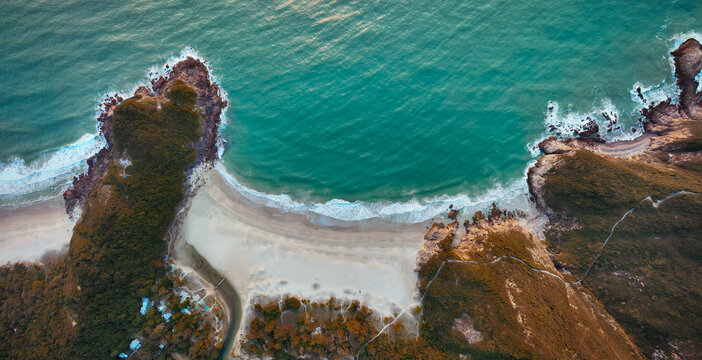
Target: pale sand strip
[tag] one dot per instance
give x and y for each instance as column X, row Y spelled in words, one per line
column 263, row 251
column 625, row 149
column 28, row 233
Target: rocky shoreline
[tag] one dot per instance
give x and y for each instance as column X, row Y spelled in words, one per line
column 664, row 124
column 191, row 71
column 586, row 187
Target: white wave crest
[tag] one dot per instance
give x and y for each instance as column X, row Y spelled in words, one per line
column 51, row 170
column 564, row 124
column 679, row 38
column 514, row 195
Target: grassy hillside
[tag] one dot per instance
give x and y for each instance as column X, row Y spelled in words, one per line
column 648, row 275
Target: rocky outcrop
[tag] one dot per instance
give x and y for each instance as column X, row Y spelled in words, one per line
column 688, row 63
column 586, row 182
column 434, row 238
column 84, row 183
column 209, row 99
column 666, row 124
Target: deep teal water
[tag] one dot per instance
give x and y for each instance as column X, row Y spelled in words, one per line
column 380, row 102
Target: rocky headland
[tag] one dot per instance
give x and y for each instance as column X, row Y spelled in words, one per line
column 624, row 217
column 612, row 276
column 209, row 100
column 117, row 287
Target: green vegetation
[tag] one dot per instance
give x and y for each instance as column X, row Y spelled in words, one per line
column 34, row 323
column 116, row 254
column 331, row 329
column 117, row 248
column 519, row 313
column 648, row 275
column 595, row 192
column 509, row 312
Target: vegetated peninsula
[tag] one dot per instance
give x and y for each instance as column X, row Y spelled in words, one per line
column 115, row 294
column 615, row 276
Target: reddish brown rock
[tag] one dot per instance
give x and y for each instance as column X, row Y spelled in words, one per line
column 209, row 98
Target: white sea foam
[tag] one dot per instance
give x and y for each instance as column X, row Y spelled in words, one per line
column 510, row 196
column 677, row 39
column 52, row 170
column 566, row 122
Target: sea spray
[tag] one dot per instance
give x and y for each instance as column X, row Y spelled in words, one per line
column 566, row 123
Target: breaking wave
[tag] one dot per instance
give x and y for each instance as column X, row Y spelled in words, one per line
column 51, row 173
column 567, row 123
column 513, row 195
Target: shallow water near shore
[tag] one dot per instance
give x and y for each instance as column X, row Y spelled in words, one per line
column 353, row 109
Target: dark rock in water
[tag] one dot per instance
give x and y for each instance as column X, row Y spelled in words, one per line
column 589, row 128
column 478, row 216
column 688, row 63
column 452, row 214
column 639, row 94
column 495, row 213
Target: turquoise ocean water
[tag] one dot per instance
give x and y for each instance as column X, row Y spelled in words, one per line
column 351, row 109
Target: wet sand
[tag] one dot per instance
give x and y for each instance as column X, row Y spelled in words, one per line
column 30, row 232
column 263, row 251
column 625, row 149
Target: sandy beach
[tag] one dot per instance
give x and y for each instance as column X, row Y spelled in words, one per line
column 263, row 251
column 32, row 231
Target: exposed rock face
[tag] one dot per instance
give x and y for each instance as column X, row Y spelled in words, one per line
column 464, row 325
column 590, row 128
column 84, row 183
column 192, row 72
column 666, row 124
column 439, row 231
column 688, row 63
column 434, row 237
